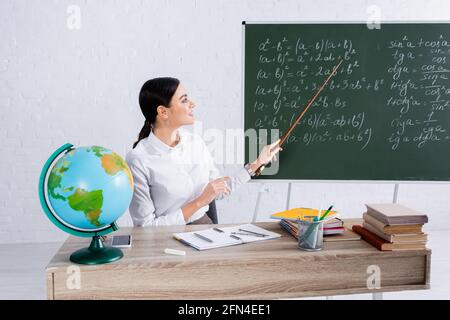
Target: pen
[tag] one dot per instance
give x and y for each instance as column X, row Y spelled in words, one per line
column 326, row 212
column 218, row 230
column 203, row 237
column 235, row 237
column 247, row 234
column 255, row 233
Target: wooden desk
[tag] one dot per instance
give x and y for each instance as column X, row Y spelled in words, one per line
column 262, row 270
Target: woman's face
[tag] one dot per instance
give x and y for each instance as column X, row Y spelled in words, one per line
column 181, row 108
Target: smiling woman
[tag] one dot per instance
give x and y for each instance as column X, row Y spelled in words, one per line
column 175, row 178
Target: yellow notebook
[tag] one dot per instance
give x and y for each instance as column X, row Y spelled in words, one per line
column 302, row 213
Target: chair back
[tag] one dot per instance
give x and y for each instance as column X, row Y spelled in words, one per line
column 212, row 212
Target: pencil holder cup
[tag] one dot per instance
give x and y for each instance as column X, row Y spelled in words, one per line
column 310, row 235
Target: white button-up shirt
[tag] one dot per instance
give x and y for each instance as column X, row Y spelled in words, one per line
column 166, row 178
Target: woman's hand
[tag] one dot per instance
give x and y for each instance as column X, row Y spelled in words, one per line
column 212, row 190
column 268, row 153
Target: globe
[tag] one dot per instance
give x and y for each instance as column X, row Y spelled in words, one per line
column 83, row 191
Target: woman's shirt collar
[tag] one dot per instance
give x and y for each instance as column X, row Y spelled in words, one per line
column 160, row 146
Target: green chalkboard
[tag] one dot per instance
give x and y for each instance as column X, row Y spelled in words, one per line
column 385, row 115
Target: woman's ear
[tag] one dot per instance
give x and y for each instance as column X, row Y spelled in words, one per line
column 162, row 111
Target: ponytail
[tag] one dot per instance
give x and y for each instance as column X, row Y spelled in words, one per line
column 145, row 132
column 154, row 93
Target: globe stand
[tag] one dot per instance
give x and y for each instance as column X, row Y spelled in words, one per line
column 97, row 253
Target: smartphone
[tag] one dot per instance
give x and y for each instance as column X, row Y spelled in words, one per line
column 121, row 241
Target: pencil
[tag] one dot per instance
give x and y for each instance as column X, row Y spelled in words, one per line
column 326, row 212
column 202, row 237
column 254, row 233
column 218, row 230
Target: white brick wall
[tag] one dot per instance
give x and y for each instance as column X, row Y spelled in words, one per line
column 81, row 86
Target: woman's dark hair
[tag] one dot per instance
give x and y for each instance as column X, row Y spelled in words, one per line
column 155, row 92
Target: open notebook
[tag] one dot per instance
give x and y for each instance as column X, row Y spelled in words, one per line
column 226, row 238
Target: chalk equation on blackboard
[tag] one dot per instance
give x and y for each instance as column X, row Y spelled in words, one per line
column 288, row 69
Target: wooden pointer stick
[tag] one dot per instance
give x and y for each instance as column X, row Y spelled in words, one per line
column 286, row 135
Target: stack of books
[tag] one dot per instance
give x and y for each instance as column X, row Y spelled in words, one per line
column 330, row 227
column 334, row 229
column 302, row 214
column 392, row 227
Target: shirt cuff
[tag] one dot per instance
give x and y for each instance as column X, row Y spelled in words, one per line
column 243, row 176
column 198, row 214
column 178, row 217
